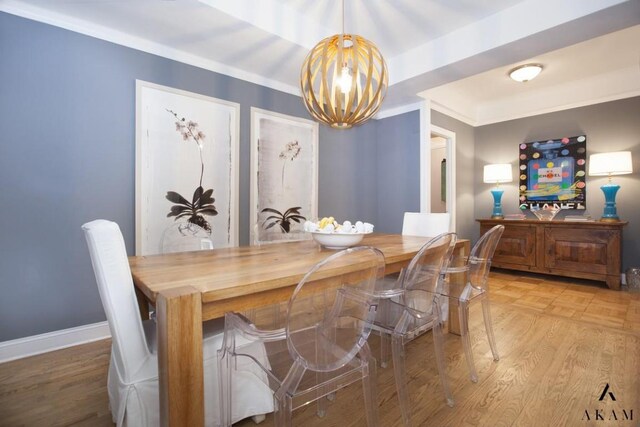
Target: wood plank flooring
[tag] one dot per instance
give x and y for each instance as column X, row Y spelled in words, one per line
column 560, row 341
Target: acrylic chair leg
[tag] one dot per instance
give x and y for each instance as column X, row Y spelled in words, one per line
column 488, row 325
column 385, row 340
column 385, row 345
column 225, row 368
column 284, row 404
column 463, row 312
column 284, row 412
column 397, row 349
column 439, row 350
column 321, row 401
column 369, row 387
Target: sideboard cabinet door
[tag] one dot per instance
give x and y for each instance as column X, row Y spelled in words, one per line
column 517, row 245
column 589, row 251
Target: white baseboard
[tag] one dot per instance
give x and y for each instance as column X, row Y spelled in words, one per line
column 56, row 340
column 623, row 279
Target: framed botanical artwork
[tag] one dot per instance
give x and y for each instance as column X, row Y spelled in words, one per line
column 186, row 166
column 552, row 173
column 284, row 175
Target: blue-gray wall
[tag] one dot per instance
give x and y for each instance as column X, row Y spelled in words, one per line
column 398, row 164
column 67, row 156
column 610, row 126
column 398, row 172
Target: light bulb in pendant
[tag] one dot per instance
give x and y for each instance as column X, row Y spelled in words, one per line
column 345, row 80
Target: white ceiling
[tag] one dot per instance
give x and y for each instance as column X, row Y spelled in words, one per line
column 428, row 44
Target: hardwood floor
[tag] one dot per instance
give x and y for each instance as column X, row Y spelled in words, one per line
column 560, row 341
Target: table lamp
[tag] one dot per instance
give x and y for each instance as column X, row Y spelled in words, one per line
column 607, row 164
column 495, row 174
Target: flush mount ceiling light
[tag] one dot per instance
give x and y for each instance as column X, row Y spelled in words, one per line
column 343, row 80
column 526, row 72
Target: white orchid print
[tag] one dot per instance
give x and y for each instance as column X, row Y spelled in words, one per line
column 291, row 152
column 202, row 201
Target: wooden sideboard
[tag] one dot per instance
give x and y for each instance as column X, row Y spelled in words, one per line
column 587, row 250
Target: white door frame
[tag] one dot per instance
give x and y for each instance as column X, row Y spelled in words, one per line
column 426, row 130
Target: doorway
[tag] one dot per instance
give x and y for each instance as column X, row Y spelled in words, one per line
column 438, row 172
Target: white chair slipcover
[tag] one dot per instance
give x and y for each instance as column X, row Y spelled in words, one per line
column 133, row 369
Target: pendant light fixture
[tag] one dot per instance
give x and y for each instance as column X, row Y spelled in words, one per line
column 343, row 80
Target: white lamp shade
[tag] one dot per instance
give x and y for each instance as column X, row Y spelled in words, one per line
column 615, row 163
column 497, row 173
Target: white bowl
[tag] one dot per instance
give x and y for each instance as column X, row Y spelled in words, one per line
column 338, row 240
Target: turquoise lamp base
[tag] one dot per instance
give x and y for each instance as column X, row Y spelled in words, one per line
column 610, row 213
column 497, row 206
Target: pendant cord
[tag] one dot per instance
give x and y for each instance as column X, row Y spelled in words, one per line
column 342, row 16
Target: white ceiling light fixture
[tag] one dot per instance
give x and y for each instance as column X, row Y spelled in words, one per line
column 526, row 72
column 343, row 80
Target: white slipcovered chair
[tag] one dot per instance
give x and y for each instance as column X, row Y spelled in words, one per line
column 133, row 369
column 425, row 224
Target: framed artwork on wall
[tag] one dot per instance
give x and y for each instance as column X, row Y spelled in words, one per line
column 186, row 166
column 284, row 175
column 552, row 173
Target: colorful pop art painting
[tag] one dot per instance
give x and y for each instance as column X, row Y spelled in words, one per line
column 552, row 173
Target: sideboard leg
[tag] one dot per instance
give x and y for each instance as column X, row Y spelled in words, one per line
column 613, row 282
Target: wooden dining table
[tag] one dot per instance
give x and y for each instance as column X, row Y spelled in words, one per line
column 191, row 287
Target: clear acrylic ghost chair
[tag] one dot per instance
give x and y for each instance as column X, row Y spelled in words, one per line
column 476, row 289
column 320, row 349
column 184, row 236
column 425, row 224
column 132, row 382
column 414, row 307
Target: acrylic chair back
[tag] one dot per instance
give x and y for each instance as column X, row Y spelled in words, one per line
column 480, row 257
column 321, row 333
column 422, row 278
column 184, row 236
column 425, row 224
column 115, row 285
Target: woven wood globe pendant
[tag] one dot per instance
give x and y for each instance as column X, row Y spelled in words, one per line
column 343, row 80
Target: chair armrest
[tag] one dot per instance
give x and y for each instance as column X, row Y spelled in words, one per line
column 243, row 325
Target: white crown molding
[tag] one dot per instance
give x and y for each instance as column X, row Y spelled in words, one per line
column 56, row 340
column 569, row 106
column 107, row 34
column 454, row 114
column 396, row 111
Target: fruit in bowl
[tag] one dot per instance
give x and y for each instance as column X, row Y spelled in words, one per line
column 333, row 235
column 545, row 214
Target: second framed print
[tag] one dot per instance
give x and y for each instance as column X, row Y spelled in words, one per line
column 284, row 175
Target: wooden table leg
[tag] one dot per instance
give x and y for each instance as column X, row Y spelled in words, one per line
column 143, row 304
column 456, row 284
column 180, row 363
